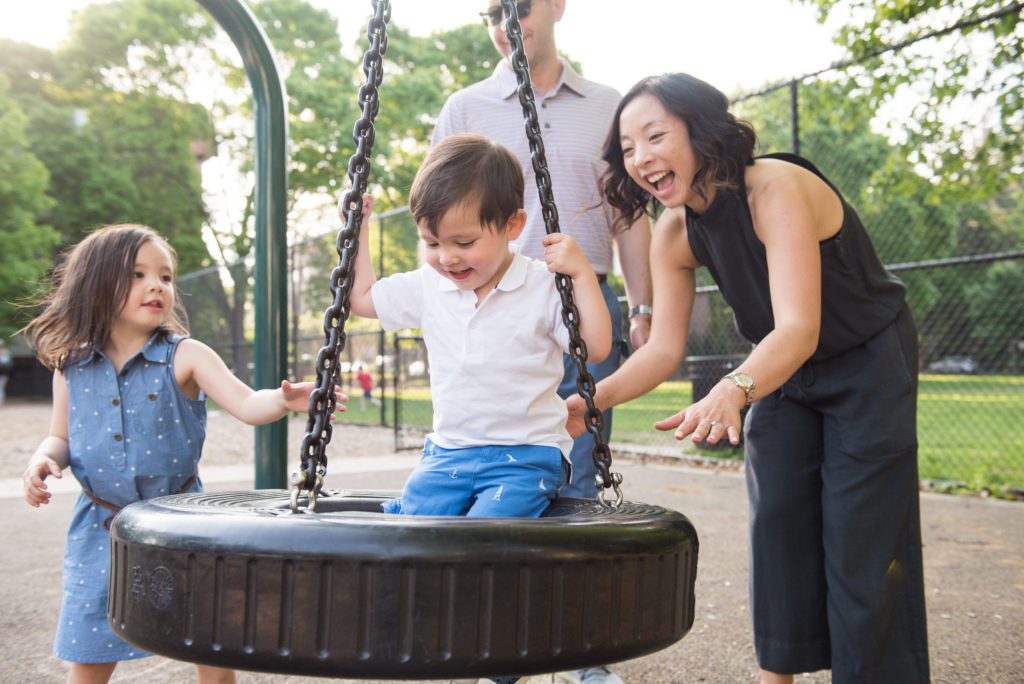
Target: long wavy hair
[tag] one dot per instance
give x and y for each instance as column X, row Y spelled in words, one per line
column 722, row 144
column 88, row 289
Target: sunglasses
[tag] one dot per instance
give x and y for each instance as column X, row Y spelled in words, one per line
column 494, row 15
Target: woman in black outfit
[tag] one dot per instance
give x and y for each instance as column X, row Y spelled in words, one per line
column 831, row 383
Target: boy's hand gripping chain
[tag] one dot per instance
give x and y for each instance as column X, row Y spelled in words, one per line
column 313, row 465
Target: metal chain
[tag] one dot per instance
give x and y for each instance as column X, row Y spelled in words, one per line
column 570, row 314
column 313, row 461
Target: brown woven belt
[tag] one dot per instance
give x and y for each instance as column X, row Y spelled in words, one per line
column 107, row 504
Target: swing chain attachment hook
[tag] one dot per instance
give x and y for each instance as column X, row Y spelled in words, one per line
column 313, row 464
column 585, row 384
column 615, row 485
column 298, row 477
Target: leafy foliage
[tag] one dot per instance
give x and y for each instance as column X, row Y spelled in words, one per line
column 964, row 88
column 135, row 45
column 25, row 244
column 944, row 81
column 994, row 302
column 106, row 120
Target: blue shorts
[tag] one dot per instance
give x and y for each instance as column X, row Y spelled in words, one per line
column 489, row 482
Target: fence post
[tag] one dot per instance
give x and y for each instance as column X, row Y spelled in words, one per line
column 271, row 212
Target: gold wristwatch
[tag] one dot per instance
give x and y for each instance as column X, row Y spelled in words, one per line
column 745, row 383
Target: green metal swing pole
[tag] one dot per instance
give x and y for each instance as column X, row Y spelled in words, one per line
column 271, row 286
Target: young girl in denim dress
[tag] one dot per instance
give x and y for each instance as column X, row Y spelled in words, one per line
column 129, row 416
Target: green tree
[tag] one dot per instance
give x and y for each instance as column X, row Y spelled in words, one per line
column 981, row 61
column 124, row 109
column 958, row 92
column 120, row 135
column 998, row 337
column 114, row 154
column 419, row 74
column 124, row 159
column 147, row 46
column 25, row 245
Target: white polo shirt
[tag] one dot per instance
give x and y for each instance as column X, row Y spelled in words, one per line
column 494, row 368
column 574, row 118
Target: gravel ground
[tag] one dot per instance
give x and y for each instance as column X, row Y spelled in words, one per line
column 974, row 565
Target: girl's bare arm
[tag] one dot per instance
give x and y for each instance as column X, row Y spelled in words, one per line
column 196, row 367
column 52, row 455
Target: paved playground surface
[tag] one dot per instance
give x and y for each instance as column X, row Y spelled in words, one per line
column 973, row 554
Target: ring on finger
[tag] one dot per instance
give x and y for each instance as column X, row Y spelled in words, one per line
column 714, row 423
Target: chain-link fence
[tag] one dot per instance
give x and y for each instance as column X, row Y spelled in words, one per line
column 958, row 246
column 961, row 255
column 411, row 398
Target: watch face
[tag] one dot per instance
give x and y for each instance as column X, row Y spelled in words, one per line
column 744, row 380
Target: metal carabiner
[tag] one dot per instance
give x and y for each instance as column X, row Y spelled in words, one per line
column 315, row 491
column 616, row 481
column 297, row 478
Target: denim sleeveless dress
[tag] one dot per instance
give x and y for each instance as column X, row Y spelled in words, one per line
column 131, row 435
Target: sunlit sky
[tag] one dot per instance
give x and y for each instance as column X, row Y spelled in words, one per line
column 735, row 45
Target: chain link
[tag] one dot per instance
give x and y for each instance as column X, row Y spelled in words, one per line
column 570, row 314
column 313, row 460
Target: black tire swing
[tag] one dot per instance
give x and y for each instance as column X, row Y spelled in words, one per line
column 254, row 580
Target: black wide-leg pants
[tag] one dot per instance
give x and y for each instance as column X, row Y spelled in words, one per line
column 835, row 533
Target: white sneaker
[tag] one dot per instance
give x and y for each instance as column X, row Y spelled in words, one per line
column 591, row 675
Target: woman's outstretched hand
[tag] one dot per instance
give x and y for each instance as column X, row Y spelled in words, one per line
column 710, row 420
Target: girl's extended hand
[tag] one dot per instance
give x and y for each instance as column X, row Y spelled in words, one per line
column 296, row 396
column 563, row 255
column 712, row 418
column 32, row 481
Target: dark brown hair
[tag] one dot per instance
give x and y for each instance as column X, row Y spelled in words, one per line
column 88, row 290
column 722, row 144
column 466, row 168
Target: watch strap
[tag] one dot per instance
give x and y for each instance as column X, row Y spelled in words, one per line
column 746, row 384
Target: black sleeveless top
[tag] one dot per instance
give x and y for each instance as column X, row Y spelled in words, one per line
column 859, row 298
